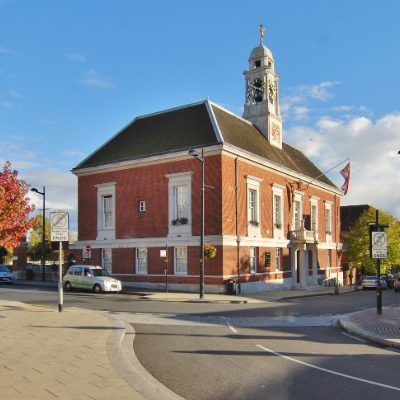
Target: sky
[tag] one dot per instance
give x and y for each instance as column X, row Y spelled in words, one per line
column 73, row 73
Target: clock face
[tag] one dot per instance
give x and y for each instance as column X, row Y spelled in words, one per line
column 272, row 90
column 255, row 91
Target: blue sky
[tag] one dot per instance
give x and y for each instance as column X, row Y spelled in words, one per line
column 73, row 73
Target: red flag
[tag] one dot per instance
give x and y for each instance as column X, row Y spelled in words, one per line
column 346, row 175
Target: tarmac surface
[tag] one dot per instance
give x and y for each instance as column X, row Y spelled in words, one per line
column 79, row 354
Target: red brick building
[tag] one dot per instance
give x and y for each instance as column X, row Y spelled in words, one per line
column 271, row 213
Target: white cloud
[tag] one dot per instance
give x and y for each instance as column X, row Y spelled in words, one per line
column 78, row 57
column 7, row 51
column 74, row 154
column 343, row 108
column 61, row 191
column 319, row 92
column 301, row 112
column 7, row 104
column 373, row 148
column 92, row 78
column 15, row 94
column 294, row 104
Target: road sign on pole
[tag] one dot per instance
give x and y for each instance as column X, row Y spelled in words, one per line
column 87, row 252
column 379, row 244
column 59, row 226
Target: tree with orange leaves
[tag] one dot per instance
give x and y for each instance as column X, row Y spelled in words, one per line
column 14, row 208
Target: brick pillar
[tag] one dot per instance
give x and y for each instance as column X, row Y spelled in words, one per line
column 20, row 256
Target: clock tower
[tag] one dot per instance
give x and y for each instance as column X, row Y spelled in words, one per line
column 262, row 94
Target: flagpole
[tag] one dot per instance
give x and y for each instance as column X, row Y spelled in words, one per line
column 308, row 184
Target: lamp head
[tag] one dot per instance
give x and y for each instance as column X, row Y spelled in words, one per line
column 193, row 153
column 34, row 190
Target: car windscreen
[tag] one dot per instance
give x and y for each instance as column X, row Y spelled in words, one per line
column 3, row 268
column 100, row 272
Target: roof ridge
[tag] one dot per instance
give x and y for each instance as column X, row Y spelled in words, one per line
column 172, row 109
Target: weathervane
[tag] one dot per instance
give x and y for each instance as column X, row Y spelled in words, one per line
column 262, row 29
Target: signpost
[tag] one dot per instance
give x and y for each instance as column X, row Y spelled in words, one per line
column 59, row 232
column 87, row 252
column 378, row 250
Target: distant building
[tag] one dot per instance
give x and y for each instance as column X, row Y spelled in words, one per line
column 271, row 213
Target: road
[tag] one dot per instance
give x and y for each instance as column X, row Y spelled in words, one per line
column 291, row 349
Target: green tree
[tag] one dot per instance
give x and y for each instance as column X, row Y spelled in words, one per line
column 357, row 242
column 35, row 235
column 35, row 248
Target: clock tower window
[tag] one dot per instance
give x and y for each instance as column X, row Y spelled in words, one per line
column 257, row 64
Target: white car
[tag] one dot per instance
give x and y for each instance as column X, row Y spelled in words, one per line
column 5, row 275
column 372, row 282
column 91, row 278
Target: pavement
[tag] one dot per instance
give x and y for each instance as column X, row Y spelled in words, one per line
column 79, row 354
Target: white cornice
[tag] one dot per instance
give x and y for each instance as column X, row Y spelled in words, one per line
column 221, row 148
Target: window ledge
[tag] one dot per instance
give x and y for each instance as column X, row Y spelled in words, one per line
column 279, row 233
column 253, row 231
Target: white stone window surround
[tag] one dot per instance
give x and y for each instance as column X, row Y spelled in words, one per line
column 105, row 190
column 253, row 184
column 141, row 261
column 314, row 214
column 178, row 180
column 297, row 198
column 142, row 206
column 328, row 220
column 278, row 217
column 278, row 214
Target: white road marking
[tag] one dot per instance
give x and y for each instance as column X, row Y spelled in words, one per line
column 230, row 326
column 328, row 370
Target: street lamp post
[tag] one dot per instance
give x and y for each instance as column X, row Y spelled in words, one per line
column 43, row 231
column 193, row 153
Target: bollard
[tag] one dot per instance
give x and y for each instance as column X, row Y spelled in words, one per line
column 336, row 288
column 356, row 287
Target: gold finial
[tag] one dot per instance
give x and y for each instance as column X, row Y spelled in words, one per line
column 262, row 29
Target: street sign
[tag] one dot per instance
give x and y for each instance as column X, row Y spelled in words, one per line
column 59, row 227
column 379, row 244
column 87, row 252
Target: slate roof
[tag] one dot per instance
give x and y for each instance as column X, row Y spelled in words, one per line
column 200, row 124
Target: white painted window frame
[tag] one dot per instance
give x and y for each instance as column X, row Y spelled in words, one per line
column 253, row 260
column 141, row 261
column 253, row 184
column 328, row 217
column 106, row 259
column 177, row 180
column 314, row 218
column 278, row 258
column 297, row 198
column 180, row 261
column 105, row 190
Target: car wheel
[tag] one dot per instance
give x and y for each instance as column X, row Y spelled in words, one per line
column 395, row 290
column 68, row 286
column 97, row 288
